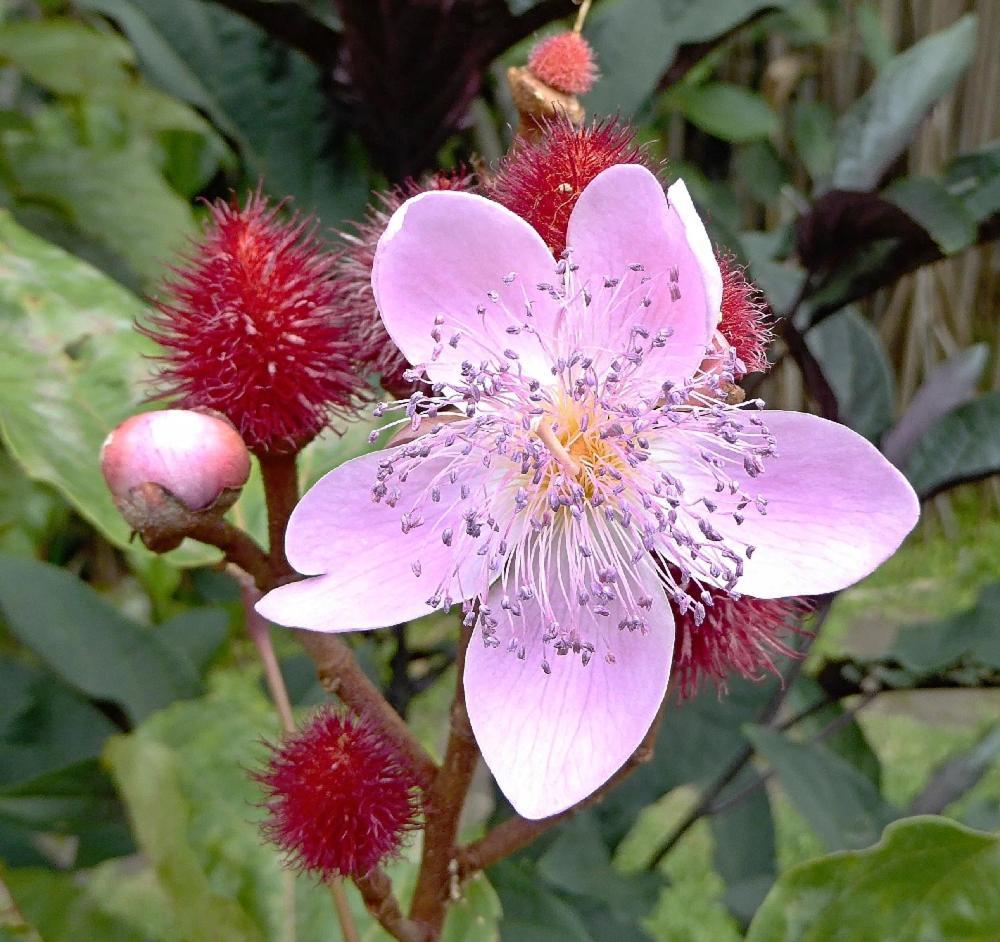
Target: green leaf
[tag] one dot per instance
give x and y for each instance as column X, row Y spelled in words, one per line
column 969, row 638
column 65, row 56
column 44, row 726
column 928, row 879
column 475, row 915
column 195, row 635
column 963, row 445
column 878, row 47
column 813, row 128
column 975, row 179
column 729, row 112
column 266, row 98
column 951, row 383
column 636, row 41
column 72, row 367
column 854, row 363
column 531, row 911
column 745, row 850
column 147, row 775
column 879, row 125
column 87, row 183
column 943, row 216
column 88, row 643
column 840, row 804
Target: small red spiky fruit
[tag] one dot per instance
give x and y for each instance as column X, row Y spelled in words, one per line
column 340, row 799
column 252, row 329
column 196, row 456
column 741, row 636
column 565, row 62
column 745, row 319
column 541, row 180
column 355, row 301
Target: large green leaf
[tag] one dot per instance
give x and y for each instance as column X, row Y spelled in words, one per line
column 839, row 803
column 963, row 445
column 968, row 639
column 879, row 125
column 928, row 879
column 943, row 216
column 265, row 97
column 636, row 41
column 87, row 642
column 855, row 365
column 727, row 111
column 531, row 911
column 72, row 367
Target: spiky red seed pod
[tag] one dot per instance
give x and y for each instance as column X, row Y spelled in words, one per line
column 541, row 180
column 565, row 62
column 737, row 636
column 252, row 329
column 340, row 798
column 353, row 270
column 745, row 320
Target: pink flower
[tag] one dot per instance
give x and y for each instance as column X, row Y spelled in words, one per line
column 582, row 443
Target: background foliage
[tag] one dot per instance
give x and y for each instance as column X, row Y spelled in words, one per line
column 843, row 151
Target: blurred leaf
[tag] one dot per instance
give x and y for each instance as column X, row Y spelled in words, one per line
column 758, row 167
column 62, row 910
column 531, row 911
column 729, row 112
column 87, row 183
column 195, row 635
column 744, row 850
column 879, row 125
column 65, row 56
column 968, row 638
column 942, row 215
column 71, row 368
column 88, row 643
column 267, row 98
column 877, row 45
column 928, row 879
column 963, row 445
column 950, row 384
column 44, row 727
column 579, row 863
column 636, row 41
column 813, row 129
column 975, row 179
column 840, row 804
column 854, row 363
column 958, row 775
column 147, row 776
column 475, row 914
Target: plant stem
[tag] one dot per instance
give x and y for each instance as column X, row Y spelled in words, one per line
column 444, row 801
column 281, row 493
column 515, row 833
column 344, row 915
column 376, row 891
column 239, row 548
column 260, row 633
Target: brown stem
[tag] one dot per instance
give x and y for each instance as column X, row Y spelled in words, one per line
column 341, row 675
column 260, row 633
column 239, row 548
column 281, row 493
column 376, row 891
column 344, row 915
column 292, row 24
column 516, row 833
column 444, row 801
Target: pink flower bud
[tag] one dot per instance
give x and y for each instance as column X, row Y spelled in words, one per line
column 196, row 457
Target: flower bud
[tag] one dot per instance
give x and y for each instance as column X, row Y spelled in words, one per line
column 167, row 469
column 340, row 798
column 565, row 62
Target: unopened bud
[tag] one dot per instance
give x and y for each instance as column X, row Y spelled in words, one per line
column 166, row 470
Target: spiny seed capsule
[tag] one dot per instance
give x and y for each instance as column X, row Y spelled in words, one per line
column 340, row 798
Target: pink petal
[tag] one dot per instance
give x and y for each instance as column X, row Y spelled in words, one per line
column 836, row 509
column 366, row 559
column 442, row 253
column 552, row 739
column 624, row 219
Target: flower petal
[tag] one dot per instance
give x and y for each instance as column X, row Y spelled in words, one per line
column 622, row 219
column 366, row 559
column 441, row 256
column 552, row 739
column 836, row 509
